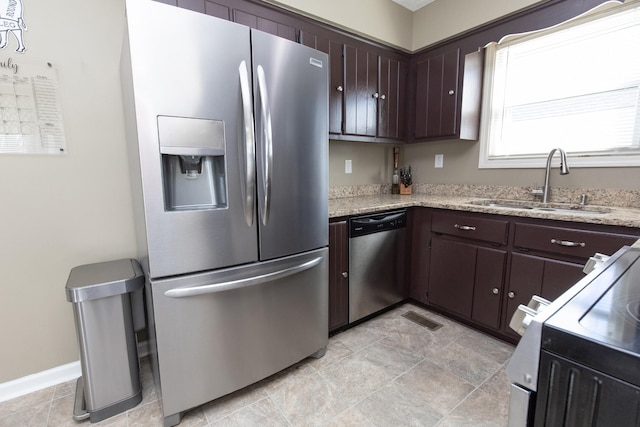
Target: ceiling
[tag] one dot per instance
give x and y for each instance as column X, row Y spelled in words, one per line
column 413, row 5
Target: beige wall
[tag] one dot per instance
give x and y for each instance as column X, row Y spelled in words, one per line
column 445, row 18
column 371, row 163
column 386, row 21
column 381, row 20
column 59, row 212
column 461, row 167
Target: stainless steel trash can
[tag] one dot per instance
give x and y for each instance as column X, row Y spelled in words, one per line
column 108, row 309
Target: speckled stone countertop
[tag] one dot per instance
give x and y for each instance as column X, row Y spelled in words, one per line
column 626, row 216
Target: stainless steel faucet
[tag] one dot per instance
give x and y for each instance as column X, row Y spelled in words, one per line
column 564, row 170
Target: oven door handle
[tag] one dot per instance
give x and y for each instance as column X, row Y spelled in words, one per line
column 190, row 291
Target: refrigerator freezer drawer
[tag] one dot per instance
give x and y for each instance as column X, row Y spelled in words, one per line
column 220, row 331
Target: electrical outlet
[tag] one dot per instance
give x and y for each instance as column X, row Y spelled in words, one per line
column 439, row 163
column 347, row 166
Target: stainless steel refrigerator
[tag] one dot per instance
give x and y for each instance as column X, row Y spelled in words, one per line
column 228, row 136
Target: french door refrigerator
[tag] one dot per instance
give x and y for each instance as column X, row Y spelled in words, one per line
column 228, row 136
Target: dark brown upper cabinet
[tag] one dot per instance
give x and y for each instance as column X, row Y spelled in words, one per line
column 436, row 95
column 333, row 48
column 392, row 87
column 448, row 95
column 360, row 91
column 374, row 97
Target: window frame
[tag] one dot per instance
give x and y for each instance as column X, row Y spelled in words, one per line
column 613, row 158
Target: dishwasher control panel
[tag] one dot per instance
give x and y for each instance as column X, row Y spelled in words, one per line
column 375, row 223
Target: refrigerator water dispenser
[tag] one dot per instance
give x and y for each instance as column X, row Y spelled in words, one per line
column 193, row 163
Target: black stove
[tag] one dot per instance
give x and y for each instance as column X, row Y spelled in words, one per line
column 578, row 363
column 589, row 372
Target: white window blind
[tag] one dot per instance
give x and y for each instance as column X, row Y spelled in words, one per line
column 575, row 87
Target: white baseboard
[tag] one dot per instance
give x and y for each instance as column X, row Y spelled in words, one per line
column 54, row 376
column 39, row 381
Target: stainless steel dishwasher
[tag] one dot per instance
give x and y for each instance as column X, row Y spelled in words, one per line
column 376, row 262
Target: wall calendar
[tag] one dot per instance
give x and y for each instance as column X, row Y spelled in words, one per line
column 30, row 114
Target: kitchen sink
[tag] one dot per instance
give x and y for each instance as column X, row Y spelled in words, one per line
column 538, row 206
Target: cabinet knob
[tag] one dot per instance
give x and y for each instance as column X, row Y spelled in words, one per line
column 345, row 274
column 376, row 95
column 451, row 92
column 339, row 89
column 511, row 295
column 495, row 291
column 383, row 96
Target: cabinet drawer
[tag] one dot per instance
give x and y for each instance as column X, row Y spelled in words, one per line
column 471, row 227
column 568, row 241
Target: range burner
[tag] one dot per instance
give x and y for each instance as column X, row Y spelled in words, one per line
column 633, row 310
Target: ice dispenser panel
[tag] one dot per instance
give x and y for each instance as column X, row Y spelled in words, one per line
column 193, row 163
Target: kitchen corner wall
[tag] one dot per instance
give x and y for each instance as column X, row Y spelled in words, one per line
column 371, row 163
column 461, row 167
column 62, row 211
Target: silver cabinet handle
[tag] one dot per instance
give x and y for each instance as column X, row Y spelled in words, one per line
column 190, row 291
column 465, row 227
column 376, row 95
column 383, row 97
column 345, row 274
column 495, row 291
column 451, row 92
column 248, row 149
column 268, row 142
column 568, row 243
column 511, row 294
column 339, row 88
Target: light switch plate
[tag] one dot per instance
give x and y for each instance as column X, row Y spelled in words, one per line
column 347, row 166
column 439, row 163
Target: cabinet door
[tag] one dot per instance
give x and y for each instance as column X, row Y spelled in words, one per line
column 451, row 275
column 532, row 275
column 488, row 287
column 360, row 86
column 437, row 95
column 266, row 25
column 336, row 74
column 419, row 220
column 392, row 82
column 338, row 275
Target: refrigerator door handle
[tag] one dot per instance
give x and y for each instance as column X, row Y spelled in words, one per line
column 265, row 112
column 247, row 162
column 190, row 291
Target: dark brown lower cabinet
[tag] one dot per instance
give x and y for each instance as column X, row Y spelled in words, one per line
column 488, row 286
column 467, row 280
column 338, row 275
column 419, row 221
column 451, row 275
column 481, row 267
column 534, row 275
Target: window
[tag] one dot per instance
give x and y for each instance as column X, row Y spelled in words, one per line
column 575, row 86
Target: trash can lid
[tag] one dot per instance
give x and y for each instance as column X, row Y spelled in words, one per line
column 104, row 279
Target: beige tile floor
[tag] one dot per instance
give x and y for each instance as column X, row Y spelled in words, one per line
column 388, row 371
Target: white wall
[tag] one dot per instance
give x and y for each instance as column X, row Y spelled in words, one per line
column 59, row 212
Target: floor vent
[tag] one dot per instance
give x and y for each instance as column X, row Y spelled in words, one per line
column 422, row 321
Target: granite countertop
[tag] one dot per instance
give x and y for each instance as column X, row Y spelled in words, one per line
column 357, row 205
